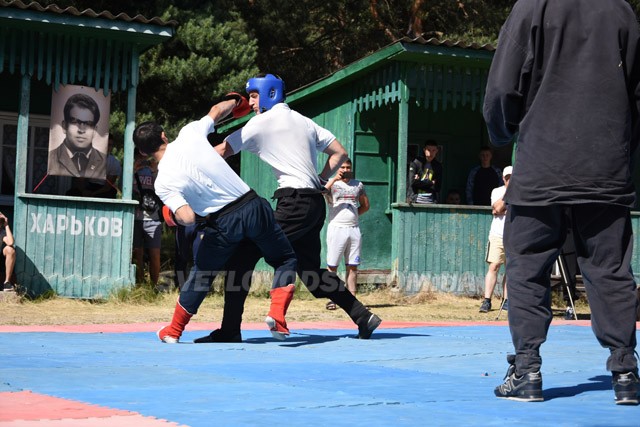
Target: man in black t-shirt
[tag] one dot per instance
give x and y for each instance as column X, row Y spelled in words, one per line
column 483, row 179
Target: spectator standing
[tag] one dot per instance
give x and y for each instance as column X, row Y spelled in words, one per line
column 483, row 179
column 425, row 176
column 147, row 227
column 565, row 81
column 495, row 249
column 347, row 201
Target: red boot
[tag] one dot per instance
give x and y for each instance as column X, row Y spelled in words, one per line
column 171, row 333
column 280, row 300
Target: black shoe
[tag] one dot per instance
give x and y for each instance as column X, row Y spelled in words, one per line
column 219, row 336
column 367, row 325
column 505, row 305
column 625, row 387
column 8, row 287
column 486, row 306
column 569, row 314
column 527, row 388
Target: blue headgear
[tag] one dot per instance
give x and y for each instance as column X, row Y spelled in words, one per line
column 270, row 88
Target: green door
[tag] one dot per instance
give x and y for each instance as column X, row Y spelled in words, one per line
column 373, row 163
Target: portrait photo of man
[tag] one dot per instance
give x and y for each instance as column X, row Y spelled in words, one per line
column 81, row 153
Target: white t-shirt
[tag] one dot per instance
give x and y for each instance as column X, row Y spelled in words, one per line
column 497, row 224
column 192, row 172
column 343, row 209
column 287, row 141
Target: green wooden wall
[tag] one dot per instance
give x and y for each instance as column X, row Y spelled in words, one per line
column 77, row 247
column 441, row 248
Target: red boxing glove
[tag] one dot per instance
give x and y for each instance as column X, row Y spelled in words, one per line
column 168, row 216
column 242, row 107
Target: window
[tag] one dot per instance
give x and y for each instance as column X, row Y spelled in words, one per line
column 37, row 156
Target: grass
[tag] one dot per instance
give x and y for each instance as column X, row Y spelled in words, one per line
column 145, row 304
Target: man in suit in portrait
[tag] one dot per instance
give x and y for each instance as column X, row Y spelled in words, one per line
column 77, row 156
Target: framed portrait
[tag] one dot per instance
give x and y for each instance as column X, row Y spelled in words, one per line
column 79, row 132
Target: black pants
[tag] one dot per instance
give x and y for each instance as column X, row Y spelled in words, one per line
column 250, row 218
column 603, row 238
column 301, row 214
column 185, row 239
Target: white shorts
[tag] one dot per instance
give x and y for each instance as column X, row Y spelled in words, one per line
column 343, row 241
column 495, row 250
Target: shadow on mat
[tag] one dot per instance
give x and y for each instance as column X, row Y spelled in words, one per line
column 601, row 382
column 298, row 339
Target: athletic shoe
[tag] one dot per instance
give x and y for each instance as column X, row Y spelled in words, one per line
column 165, row 337
column 486, row 306
column 366, row 328
column 527, row 388
column 505, row 305
column 219, row 336
column 8, row 287
column 625, row 387
column 569, row 314
column 278, row 330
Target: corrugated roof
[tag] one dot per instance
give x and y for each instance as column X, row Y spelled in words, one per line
column 55, row 9
column 448, row 43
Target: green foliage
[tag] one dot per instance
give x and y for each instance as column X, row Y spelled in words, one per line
column 183, row 77
column 219, row 45
column 304, row 40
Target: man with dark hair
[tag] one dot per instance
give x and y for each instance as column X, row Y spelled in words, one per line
column 565, row 82
column 483, row 179
column 289, row 142
column 425, row 176
column 348, row 201
column 197, row 185
column 77, row 156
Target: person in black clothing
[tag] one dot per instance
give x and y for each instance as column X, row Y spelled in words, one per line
column 425, row 176
column 483, row 179
column 565, row 82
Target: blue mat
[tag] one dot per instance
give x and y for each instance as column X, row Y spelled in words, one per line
column 417, row 376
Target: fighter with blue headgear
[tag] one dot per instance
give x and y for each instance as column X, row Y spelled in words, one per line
column 289, row 143
column 269, row 87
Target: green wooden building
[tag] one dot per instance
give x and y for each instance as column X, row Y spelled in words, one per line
column 382, row 108
column 77, row 247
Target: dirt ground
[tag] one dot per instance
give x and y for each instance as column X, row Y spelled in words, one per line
column 388, row 304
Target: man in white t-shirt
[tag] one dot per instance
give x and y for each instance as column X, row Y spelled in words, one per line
column 289, row 142
column 495, row 250
column 347, row 201
column 197, row 185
